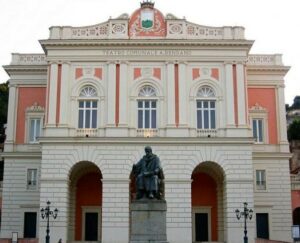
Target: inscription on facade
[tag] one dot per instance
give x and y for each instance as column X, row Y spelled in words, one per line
column 147, row 53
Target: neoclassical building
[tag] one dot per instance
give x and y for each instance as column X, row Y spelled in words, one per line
column 81, row 113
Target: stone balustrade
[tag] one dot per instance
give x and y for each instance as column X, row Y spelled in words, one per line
column 295, row 182
column 265, row 60
column 176, row 28
column 28, row 59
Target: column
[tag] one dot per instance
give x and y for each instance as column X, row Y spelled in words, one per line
column 11, row 118
column 52, row 95
column 241, row 99
column 64, row 95
column 123, row 106
column 115, row 211
column 170, row 95
column 111, row 94
column 182, row 95
column 229, row 96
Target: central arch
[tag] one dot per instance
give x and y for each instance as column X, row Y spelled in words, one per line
column 207, row 202
column 85, row 190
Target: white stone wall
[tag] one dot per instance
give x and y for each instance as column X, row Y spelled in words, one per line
column 17, row 199
column 179, row 159
column 115, row 162
column 276, row 199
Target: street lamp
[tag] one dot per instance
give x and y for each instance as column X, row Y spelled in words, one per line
column 46, row 213
column 247, row 213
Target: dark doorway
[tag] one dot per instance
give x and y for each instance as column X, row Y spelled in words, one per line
column 30, row 225
column 201, row 227
column 296, row 216
column 262, row 225
column 91, row 227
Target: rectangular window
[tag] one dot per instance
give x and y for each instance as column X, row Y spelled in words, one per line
column 262, row 225
column 206, row 114
column 30, row 224
column 260, row 180
column 147, row 114
column 257, row 126
column 31, row 178
column 34, row 129
column 87, row 114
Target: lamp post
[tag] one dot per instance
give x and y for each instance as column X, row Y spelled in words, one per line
column 46, row 213
column 247, row 213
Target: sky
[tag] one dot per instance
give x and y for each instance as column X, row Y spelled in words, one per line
column 274, row 25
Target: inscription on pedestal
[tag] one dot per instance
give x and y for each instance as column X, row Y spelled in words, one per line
column 148, row 221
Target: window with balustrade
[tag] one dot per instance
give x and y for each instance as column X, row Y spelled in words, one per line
column 147, row 108
column 87, row 108
column 34, row 123
column 206, row 108
column 259, row 123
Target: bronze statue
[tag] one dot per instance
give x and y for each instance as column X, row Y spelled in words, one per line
column 148, row 174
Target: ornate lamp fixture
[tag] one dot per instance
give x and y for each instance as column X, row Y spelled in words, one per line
column 46, row 213
column 247, row 214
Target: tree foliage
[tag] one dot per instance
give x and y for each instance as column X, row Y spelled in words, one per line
column 294, row 130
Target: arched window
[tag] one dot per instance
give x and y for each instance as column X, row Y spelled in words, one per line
column 206, row 108
column 88, row 105
column 147, row 108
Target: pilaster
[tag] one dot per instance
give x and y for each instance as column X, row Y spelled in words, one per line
column 238, row 191
column 52, row 95
column 11, row 118
column 111, row 94
column 115, row 210
column 282, row 139
column 182, row 95
column 170, row 95
column 241, row 99
column 64, row 97
column 52, row 190
column 123, row 120
column 229, row 95
column 179, row 220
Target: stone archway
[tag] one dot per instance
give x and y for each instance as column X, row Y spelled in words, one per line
column 85, row 190
column 207, row 202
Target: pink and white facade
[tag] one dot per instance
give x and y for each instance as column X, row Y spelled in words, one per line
column 81, row 113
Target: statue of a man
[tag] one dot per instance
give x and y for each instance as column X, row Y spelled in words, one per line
column 147, row 172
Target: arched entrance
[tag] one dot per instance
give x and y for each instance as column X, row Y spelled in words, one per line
column 207, row 203
column 85, row 202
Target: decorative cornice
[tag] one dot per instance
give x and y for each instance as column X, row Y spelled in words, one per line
column 145, row 42
column 151, row 140
column 35, row 108
column 271, row 155
column 22, row 154
column 257, row 108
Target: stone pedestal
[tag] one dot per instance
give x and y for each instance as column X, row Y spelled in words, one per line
column 148, row 221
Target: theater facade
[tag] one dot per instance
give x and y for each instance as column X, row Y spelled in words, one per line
column 81, row 113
